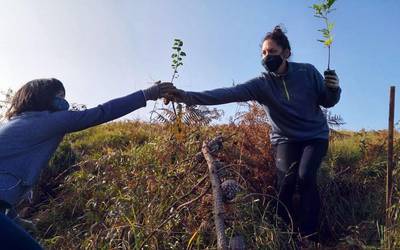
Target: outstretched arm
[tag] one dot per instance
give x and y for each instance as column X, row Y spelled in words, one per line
column 63, row 122
column 240, row 93
column 71, row 121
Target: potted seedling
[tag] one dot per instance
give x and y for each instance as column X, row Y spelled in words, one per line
column 321, row 11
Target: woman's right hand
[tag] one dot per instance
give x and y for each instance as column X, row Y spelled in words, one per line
column 158, row 90
column 173, row 94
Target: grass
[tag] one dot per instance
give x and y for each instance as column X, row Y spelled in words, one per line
column 113, row 186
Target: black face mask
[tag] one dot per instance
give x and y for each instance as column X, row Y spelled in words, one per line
column 272, row 62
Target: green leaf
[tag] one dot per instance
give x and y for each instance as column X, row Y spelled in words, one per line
column 324, row 32
column 317, row 8
column 328, row 42
column 322, row 41
column 182, row 54
column 180, row 43
column 174, row 55
column 175, row 48
column 330, row 26
column 329, row 3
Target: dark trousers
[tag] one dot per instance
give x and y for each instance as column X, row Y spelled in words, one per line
column 297, row 164
column 13, row 237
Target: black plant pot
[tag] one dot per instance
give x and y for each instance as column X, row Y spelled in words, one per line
column 329, row 72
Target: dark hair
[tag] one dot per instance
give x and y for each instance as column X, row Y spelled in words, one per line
column 36, row 95
column 278, row 35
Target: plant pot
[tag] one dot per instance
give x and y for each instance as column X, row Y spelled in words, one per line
column 329, row 72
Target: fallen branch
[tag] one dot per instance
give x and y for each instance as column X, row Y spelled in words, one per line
column 218, row 210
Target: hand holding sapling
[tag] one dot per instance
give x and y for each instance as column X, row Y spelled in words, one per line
column 331, row 79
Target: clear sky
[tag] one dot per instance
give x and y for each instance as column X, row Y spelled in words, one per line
column 101, row 49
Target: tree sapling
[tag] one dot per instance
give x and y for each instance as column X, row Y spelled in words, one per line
column 321, row 11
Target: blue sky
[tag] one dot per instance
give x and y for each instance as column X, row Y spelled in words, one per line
column 101, row 49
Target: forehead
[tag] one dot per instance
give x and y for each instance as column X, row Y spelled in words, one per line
column 270, row 44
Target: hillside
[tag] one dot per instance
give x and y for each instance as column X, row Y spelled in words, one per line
column 113, row 186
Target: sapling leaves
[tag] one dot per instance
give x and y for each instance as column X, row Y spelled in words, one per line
column 328, row 42
column 321, row 11
column 176, row 56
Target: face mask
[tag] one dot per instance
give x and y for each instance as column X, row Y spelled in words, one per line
column 272, row 62
column 60, row 104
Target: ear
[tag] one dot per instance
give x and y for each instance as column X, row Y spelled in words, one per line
column 286, row 53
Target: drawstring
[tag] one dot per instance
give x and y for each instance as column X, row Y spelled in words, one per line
column 15, row 185
column 283, row 83
column 286, row 91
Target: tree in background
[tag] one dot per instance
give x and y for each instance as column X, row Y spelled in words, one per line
column 5, row 101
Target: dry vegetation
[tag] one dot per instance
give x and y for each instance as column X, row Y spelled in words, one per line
column 127, row 185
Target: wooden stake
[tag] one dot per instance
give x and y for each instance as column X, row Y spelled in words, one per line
column 390, row 163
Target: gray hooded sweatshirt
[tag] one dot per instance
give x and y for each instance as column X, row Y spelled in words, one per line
column 292, row 101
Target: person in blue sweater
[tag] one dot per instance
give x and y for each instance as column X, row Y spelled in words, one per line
column 292, row 95
column 38, row 119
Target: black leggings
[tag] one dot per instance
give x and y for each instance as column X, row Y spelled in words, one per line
column 297, row 164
